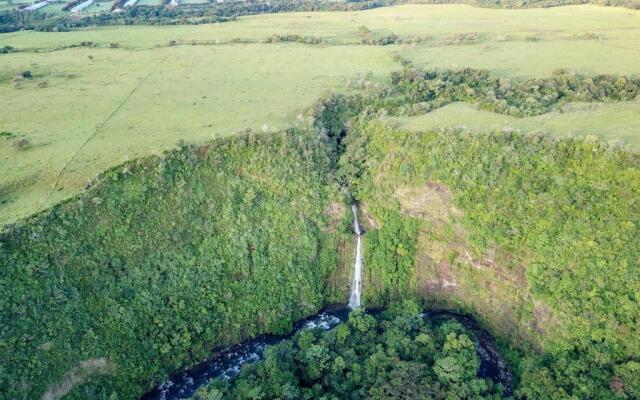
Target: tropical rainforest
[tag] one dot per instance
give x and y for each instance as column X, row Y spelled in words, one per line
column 164, row 259
column 168, row 258
column 396, row 355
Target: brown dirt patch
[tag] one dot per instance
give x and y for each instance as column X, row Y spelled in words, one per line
column 432, row 201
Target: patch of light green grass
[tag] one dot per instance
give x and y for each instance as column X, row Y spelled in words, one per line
column 132, row 104
column 607, row 121
column 98, row 6
column 149, row 2
column 526, row 59
column 5, row 5
column 53, row 8
column 439, row 23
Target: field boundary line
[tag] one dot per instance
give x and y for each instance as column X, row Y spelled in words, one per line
column 96, row 131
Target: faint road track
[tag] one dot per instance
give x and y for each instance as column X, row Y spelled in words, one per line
column 98, row 129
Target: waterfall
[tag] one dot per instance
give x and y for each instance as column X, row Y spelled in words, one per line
column 356, row 284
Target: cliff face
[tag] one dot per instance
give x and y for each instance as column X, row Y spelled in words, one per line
column 449, row 272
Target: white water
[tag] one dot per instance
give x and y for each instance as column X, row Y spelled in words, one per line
column 356, row 285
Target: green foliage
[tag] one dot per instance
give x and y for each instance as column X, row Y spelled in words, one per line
column 186, row 14
column 294, row 38
column 7, row 49
column 165, row 259
column 390, row 257
column 564, row 207
column 422, row 91
column 397, row 356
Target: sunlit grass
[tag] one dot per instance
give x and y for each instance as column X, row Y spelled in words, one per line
column 87, row 109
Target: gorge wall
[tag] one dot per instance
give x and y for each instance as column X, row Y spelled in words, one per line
column 535, row 235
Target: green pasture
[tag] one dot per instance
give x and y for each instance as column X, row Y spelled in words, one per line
column 6, row 5
column 98, row 6
column 438, row 25
column 608, row 121
column 96, row 113
column 89, row 108
column 53, row 8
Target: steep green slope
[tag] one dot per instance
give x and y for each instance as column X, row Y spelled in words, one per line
column 537, row 235
column 165, row 259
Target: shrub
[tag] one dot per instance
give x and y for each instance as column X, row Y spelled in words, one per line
column 21, row 143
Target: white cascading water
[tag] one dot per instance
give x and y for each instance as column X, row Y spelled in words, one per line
column 356, row 285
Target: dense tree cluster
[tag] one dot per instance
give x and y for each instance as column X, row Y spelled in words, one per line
column 414, row 91
column 421, row 91
column 391, row 256
column 395, row 356
column 165, row 259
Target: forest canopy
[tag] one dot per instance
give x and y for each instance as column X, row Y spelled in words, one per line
column 396, row 355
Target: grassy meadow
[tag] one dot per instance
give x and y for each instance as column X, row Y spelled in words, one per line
column 617, row 122
column 86, row 109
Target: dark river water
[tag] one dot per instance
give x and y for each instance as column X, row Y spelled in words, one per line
column 226, row 363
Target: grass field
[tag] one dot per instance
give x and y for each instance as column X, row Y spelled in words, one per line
column 5, row 5
column 54, row 8
column 131, row 104
column 607, row 121
column 98, row 6
column 87, row 109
